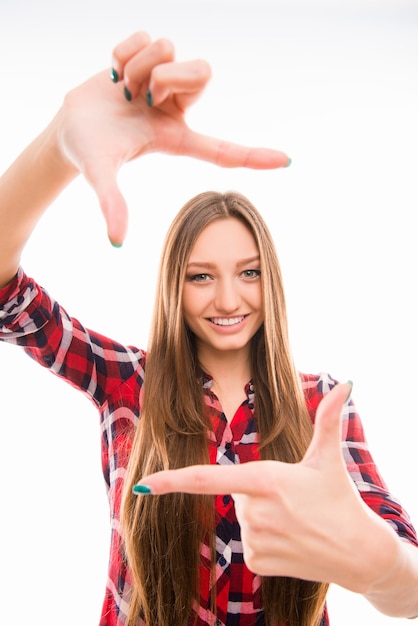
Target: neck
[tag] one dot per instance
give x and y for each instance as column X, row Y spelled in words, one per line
column 233, row 366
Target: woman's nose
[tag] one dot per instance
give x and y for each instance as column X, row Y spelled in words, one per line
column 228, row 298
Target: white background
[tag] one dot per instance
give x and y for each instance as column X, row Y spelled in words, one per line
column 335, row 85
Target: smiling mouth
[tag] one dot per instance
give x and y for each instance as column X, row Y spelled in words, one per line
column 227, row 321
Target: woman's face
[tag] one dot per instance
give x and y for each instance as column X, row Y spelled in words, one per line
column 222, row 300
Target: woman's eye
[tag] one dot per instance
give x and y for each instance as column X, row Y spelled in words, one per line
column 198, row 278
column 251, row 273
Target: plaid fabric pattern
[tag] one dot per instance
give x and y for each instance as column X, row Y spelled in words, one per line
column 112, row 376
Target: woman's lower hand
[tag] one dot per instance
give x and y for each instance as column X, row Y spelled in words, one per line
column 304, row 520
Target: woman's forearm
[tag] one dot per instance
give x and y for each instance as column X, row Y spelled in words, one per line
column 27, row 188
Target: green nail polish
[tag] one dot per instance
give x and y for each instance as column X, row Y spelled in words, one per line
column 349, row 382
column 149, row 98
column 141, row 489
column 289, row 163
column 127, row 93
column 114, row 75
column 115, row 245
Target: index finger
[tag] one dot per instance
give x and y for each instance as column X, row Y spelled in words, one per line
column 207, row 479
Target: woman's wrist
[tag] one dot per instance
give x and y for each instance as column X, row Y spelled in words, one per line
column 395, row 591
column 50, row 147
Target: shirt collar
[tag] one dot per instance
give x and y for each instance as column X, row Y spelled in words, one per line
column 207, row 382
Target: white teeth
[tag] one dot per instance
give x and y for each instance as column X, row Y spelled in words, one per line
column 226, row 321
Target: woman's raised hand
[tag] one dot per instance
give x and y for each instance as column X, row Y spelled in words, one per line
column 103, row 125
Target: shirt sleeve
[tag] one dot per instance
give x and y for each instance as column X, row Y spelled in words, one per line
column 359, row 461
column 30, row 318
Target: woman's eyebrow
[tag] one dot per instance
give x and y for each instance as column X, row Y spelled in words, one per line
column 211, row 265
column 200, row 264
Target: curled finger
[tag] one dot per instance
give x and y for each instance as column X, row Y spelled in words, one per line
column 126, row 50
column 138, row 68
column 185, row 81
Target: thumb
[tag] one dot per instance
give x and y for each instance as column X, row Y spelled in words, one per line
column 228, row 154
column 101, row 175
column 326, row 441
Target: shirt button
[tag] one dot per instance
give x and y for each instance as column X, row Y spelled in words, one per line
column 218, row 622
column 228, row 445
column 226, row 500
column 222, row 561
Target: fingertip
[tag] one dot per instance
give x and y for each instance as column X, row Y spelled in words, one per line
column 342, row 390
column 142, row 490
column 267, row 158
column 116, row 236
column 116, row 215
column 283, row 160
column 115, row 244
column 332, row 404
column 349, row 384
column 116, row 228
column 114, row 76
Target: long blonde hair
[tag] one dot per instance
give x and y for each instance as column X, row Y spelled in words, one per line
column 163, row 535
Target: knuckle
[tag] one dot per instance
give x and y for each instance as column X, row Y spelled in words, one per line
column 255, row 520
column 266, row 480
column 252, row 558
column 129, row 47
column 200, row 480
column 140, row 38
column 165, row 49
column 200, row 72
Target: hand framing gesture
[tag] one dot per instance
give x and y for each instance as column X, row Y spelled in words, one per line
column 104, row 125
column 304, row 520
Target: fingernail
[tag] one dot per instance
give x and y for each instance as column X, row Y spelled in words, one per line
column 349, row 382
column 141, row 489
column 127, row 93
column 114, row 75
column 289, row 163
column 149, row 98
column 115, row 245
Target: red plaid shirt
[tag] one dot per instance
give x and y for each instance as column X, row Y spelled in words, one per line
column 112, row 376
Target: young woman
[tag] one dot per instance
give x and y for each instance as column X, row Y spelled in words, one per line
column 217, row 385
